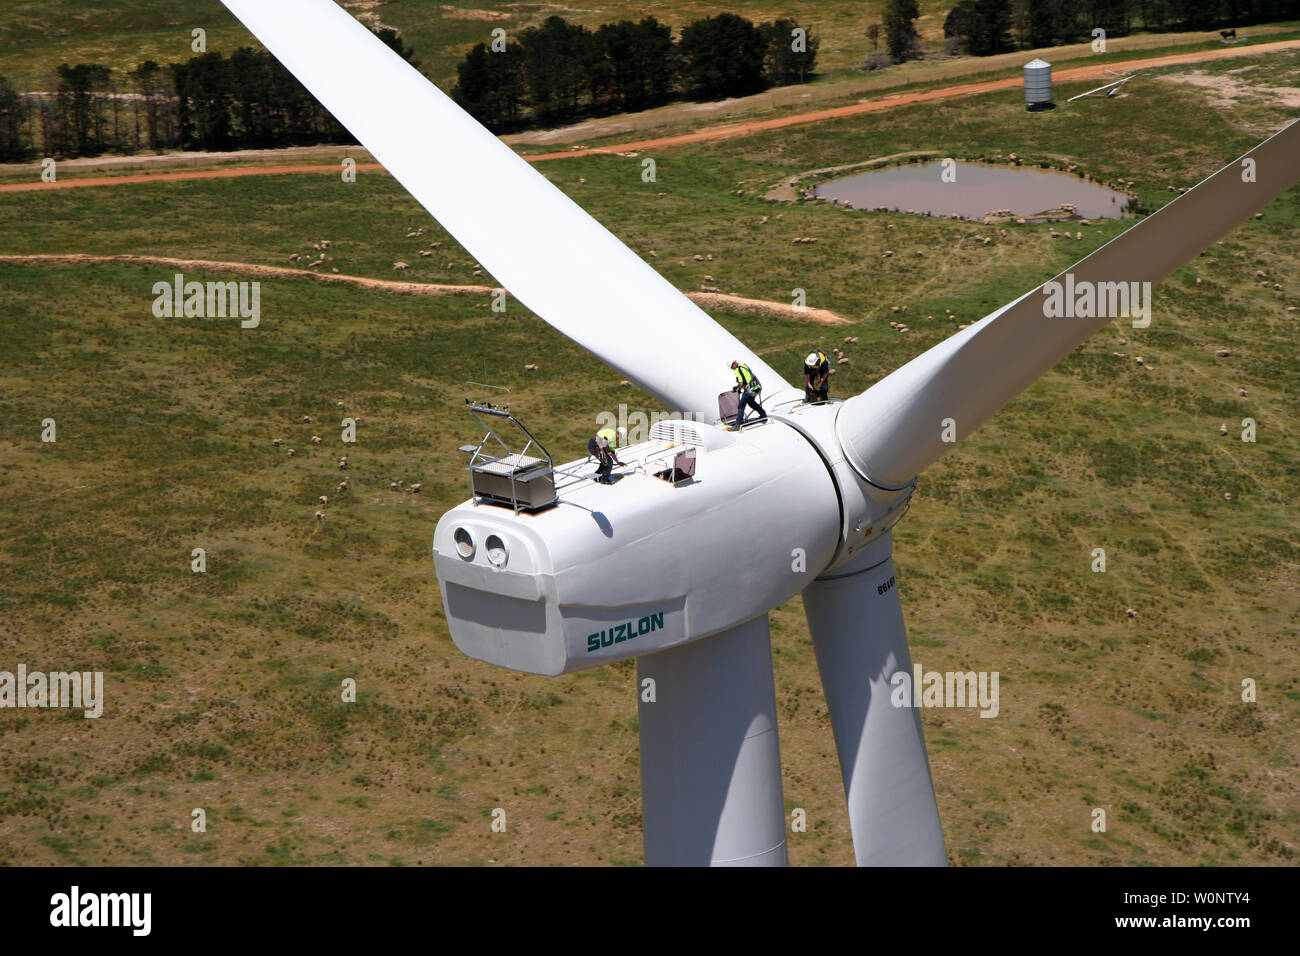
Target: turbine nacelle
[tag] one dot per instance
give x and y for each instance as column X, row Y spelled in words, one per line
column 618, row 571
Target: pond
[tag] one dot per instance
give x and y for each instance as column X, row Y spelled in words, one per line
column 976, row 191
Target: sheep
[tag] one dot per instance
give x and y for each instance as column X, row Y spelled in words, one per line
column 343, row 486
column 1223, row 429
column 315, row 439
column 339, row 404
column 851, row 340
column 530, row 368
column 416, row 234
column 415, row 488
column 291, row 453
column 306, row 419
column 320, row 516
column 843, row 361
column 425, row 253
column 277, row 442
column 697, row 257
column 324, row 243
column 343, row 462
column 400, row 267
column 625, row 384
column 582, row 180
column 395, row 486
column 1130, row 612
column 324, row 499
column 653, row 254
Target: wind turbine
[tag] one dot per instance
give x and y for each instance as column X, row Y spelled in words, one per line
column 682, row 575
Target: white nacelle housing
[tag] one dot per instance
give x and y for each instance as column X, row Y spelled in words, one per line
column 622, row 570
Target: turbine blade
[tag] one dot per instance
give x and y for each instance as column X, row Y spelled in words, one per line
column 540, row 245
column 895, row 428
column 860, row 641
column 710, row 763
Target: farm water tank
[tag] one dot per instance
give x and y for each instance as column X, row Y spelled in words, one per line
column 1038, row 85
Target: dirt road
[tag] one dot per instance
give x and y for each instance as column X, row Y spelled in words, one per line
column 712, row 301
column 708, row 133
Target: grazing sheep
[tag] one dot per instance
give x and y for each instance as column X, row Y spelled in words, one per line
column 400, row 266
column 1243, row 393
column 343, row 462
column 1227, row 496
column 1131, row 613
column 343, row 485
column 653, row 254
column 1138, row 359
column 315, row 439
column 851, row 340
column 339, row 404
column 324, row 243
column 395, row 486
column 415, row 488
column 843, row 361
column 291, row 453
column 306, row 419
column 425, row 253
column 277, row 442
column 324, row 499
column 320, row 516
column 1222, row 353
column 625, row 383
column 697, row 257
column 1223, row 429
column 530, row 368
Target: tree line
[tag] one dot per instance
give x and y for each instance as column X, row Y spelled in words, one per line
column 558, row 72
column 987, row 27
column 209, row 102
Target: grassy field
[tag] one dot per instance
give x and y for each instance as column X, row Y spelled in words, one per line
column 223, row 688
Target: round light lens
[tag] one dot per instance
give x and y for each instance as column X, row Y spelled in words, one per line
column 496, row 551
column 464, row 543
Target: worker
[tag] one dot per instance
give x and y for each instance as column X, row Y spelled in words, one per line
column 750, row 389
column 816, row 374
column 603, row 446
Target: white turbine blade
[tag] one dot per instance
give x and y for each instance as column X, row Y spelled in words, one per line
column 710, row 763
column 540, row 245
column 895, row 428
column 861, row 643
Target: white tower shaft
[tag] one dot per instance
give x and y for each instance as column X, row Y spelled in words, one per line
column 710, row 762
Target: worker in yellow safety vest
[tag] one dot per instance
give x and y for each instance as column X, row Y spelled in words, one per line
column 749, row 387
column 816, row 375
column 603, row 446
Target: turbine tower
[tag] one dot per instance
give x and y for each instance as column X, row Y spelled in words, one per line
column 681, row 574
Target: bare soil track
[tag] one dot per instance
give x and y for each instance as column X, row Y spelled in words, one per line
column 724, row 131
column 714, row 301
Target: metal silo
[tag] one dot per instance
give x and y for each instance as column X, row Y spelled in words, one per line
column 1038, row 85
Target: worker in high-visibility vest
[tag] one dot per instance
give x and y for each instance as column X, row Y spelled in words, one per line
column 749, row 387
column 603, row 446
column 816, row 375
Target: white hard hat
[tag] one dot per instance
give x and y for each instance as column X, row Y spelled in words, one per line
column 811, row 359
column 622, row 434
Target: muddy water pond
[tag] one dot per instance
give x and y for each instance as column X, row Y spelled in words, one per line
column 976, row 190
